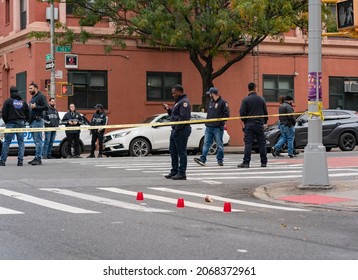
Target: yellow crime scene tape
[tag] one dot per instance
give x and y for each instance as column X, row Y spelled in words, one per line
column 87, row 127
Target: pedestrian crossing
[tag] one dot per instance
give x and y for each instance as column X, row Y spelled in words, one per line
column 164, row 199
column 216, row 175
column 159, row 199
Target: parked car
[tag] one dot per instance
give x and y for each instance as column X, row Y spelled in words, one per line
column 339, row 129
column 59, row 146
column 143, row 140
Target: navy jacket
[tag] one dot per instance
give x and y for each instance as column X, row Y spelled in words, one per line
column 180, row 112
column 72, row 116
column 99, row 119
column 15, row 109
column 41, row 105
column 217, row 109
column 52, row 119
column 253, row 105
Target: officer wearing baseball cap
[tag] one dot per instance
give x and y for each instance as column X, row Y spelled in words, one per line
column 217, row 108
column 99, row 118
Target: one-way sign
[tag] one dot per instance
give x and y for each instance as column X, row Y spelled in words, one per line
column 50, row 65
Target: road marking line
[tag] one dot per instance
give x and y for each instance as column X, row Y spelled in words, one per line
column 188, row 173
column 169, row 200
column 227, row 169
column 211, row 182
column 106, row 201
column 46, row 203
column 219, row 198
column 5, row 211
column 217, row 176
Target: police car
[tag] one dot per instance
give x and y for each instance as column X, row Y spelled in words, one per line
column 146, row 139
column 59, row 146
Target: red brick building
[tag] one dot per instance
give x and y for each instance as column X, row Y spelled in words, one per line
column 132, row 83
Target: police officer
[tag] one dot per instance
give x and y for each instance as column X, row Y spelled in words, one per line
column 15, row 114
column 73, row 119
column 52, row 119
column 38, row 105
column 218, row 108
column 251, row 106
column 180, row 133
column 98, row 118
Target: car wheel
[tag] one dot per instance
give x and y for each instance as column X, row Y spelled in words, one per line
column 63, row 151
column 328, row 149
column 212, row 150
column 139, row 147
column 347, row 142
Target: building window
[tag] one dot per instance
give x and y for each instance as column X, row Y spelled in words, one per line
column 159, row 85
column 7, row 12
column 89, row 87
column 343, row 93
column 276, row 86
column 23, row 14
column 69, row 8
column 21, row 84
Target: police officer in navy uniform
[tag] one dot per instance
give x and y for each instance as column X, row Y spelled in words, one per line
column 98, row 118
column 51, row 119
column 218, row 108
column 180, row 133
column 73, row 119
column 254, row 105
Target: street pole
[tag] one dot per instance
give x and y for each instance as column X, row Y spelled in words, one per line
column 52, row 46
column 315, row 172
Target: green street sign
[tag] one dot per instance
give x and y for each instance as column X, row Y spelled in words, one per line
column 48, row 57
column 63, row 49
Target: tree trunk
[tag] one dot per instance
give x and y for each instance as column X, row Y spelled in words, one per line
column 206, row 74
column 206, row 84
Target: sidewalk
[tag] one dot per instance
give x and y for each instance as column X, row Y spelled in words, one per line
column 340, row 195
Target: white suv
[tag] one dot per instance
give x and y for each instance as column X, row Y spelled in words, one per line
column 59, row 146
column 143, row 140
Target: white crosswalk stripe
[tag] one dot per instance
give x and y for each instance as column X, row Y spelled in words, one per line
column 5, row 211
column 214, row 175
column 45, row 202
column 107, row 201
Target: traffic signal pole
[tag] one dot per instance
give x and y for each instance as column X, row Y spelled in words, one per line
column 52, row 46
column 315, row 172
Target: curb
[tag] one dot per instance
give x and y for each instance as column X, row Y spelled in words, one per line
column 274, row 191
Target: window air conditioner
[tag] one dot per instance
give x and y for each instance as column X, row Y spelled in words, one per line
column 354, row 86
column 351, row 86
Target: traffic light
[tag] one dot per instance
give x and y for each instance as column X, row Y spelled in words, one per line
column 347, row 15
column 66, row 89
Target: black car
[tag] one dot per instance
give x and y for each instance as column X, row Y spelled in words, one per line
column 339, row 129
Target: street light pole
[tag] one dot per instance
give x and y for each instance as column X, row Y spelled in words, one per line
column 52, row 46
column 315, row 172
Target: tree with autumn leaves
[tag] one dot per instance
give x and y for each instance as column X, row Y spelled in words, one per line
column 205, row 29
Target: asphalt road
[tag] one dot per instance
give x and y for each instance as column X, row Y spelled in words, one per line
column 75, row 209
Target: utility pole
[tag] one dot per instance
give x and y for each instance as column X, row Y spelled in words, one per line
column 52, row 46
column 315, row 172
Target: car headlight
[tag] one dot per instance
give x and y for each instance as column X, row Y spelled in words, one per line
column 121, row 134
